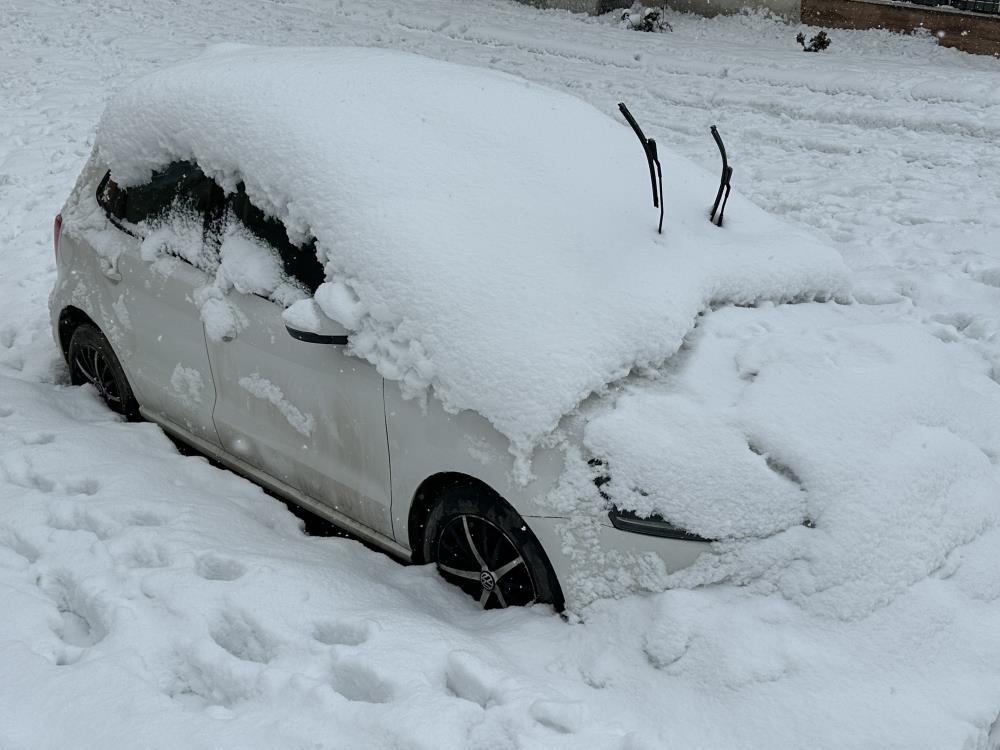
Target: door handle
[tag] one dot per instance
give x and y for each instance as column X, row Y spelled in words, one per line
column 229, row 336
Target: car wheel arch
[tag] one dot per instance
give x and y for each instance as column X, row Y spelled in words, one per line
column 427, row 496
column 71, row 318
column 437, row 493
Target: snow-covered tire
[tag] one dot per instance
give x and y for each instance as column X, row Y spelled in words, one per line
column 92, row 360
column 480, row 544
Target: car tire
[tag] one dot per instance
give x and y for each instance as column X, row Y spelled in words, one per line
column 92, row 361
column 480, row 544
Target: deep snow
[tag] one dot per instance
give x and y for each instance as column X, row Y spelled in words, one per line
column 151, row 600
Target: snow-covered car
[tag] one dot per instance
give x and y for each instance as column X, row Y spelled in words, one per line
column 395, row 291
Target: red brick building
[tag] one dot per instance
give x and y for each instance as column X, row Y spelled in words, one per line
column 970, row 25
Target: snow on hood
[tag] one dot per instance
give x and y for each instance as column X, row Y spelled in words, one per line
column 483, row 236
column 839, row 454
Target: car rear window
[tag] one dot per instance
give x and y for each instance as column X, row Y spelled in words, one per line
column 111, row 198
column 180, row 185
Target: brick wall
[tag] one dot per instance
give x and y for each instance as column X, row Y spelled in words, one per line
column 972, row 32
column 787, row 8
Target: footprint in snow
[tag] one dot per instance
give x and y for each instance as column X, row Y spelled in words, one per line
column 217, row 568
column 14, row 363
column 19, row 545
column 88, row 487
column 74, row 517
column 565, row 717
column 37, row 438
column 472, row 679
column 343, row 632
column 201, row 679
column 245, row 639
column 84, row 619
column 5, row 411
column 65, row 657
column 147, row 556
column 17, row 470
column 358, row 682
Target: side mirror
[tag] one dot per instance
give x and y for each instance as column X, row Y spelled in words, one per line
column 306, row 322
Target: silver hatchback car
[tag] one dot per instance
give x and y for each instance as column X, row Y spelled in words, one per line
column 238, row 210
column 412, row 479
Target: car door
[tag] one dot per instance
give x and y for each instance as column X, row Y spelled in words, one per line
column 156, row 280
column 306, row 414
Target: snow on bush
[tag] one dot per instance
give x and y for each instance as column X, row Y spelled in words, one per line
column 641, row 18
column 817, row 43
column 483, row 236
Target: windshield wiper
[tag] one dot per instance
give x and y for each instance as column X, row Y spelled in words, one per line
column 655, row 172
column 725, row 184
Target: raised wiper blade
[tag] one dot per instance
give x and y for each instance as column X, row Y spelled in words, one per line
column 655, row 171
column 725, row 184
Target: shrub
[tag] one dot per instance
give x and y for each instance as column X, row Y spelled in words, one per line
column 641, row 18
column 819, row 42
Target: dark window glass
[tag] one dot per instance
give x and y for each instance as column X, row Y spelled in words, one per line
column 111, row 198
column 300, row 262
column 180, row 185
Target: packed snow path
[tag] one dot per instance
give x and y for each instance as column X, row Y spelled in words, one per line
column 149, row 600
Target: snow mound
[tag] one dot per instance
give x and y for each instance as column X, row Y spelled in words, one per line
column 483, row 236
column 839, row 455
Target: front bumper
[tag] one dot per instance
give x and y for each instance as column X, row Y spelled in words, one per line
column 592, row 559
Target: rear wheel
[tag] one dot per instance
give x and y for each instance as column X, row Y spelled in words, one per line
column 480, row 544
column 92, row 360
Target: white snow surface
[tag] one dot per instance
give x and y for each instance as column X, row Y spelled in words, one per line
column 762, row 437
column 494, row 238
column 149, row 599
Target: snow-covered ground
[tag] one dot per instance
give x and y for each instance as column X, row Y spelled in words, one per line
column 148, row 599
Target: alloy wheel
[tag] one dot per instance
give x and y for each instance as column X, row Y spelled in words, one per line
column 90, row 365
column 484, row 562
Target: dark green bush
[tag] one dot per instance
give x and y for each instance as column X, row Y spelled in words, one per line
column 818, row 43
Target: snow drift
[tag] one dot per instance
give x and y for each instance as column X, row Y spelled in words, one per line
column 838, row 454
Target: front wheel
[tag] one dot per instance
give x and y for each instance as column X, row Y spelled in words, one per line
column 480, row 544
column 92, row 360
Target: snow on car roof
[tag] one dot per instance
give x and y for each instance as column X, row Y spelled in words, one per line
column 483, row 236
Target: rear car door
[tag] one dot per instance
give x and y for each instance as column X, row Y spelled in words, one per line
column 306, row 414
column 157, row 279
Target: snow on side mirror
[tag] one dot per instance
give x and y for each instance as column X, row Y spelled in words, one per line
column 306, row 322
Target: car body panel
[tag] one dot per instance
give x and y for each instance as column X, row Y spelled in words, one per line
column 282, row 489
column 168, row 366
column 425, row 440
column 589, row 554
column 306, row 414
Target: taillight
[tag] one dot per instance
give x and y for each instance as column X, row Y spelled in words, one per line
column 56, row 230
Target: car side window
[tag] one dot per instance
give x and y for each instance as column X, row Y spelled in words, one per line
column 299, row 261
column 181, row 185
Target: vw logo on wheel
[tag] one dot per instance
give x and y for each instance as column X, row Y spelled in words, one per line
column 486, row 578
